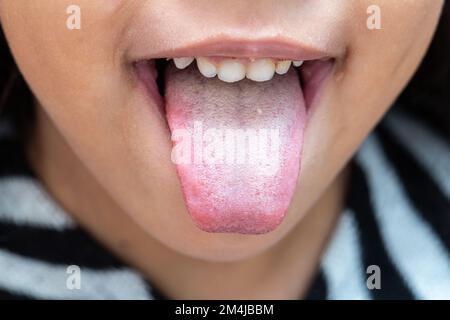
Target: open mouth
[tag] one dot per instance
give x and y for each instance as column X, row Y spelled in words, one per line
column 237, row 123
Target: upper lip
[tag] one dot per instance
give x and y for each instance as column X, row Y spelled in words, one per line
column 308, row 34
column 277, row 48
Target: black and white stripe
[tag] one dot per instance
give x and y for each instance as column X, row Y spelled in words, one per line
column 397, row 217
column 38, row 241
column 343, row 264
column 399, row 196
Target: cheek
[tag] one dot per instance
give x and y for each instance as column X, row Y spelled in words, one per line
column 81, row 83
column 78, row 78
column 62, row 66
column 75, row 74
column 378, row 65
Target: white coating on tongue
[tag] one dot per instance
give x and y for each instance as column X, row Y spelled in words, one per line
column 225, row 192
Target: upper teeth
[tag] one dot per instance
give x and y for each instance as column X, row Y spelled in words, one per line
column 206, row 67
column 233, row 70
column 283, row 66
column 183, row 63
column 261, row 70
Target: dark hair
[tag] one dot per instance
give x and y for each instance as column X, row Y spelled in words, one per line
column 427, row 95
column 16, row 100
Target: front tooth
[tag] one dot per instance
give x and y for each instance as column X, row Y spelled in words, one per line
column 231, row 71
column 183, row 63
column 297, row 63
column 206, row 67
column 283, row 66
column 261, row 70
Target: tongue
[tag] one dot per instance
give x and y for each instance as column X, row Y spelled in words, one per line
column 237, row 148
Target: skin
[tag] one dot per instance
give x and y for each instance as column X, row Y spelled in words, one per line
column 91, row 152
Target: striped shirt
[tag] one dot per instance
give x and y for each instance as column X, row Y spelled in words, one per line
column 392, row 240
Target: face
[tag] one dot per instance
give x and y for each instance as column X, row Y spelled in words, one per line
column 98, row 85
